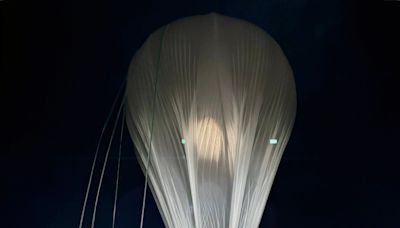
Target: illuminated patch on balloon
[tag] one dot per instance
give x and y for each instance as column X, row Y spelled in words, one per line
column 209, row 139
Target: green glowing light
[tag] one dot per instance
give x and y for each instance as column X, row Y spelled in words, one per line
column 183, row 141
column 273, row 141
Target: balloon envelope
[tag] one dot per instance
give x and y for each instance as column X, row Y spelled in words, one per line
column 211, row 102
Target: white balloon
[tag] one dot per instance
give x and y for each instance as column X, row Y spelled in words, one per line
column 213, row 100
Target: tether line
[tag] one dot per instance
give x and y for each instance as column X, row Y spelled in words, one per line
column 97, row 153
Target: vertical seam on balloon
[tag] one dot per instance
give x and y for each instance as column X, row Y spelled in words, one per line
column 152, row 124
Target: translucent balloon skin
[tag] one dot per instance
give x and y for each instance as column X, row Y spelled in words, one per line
column 210, row 92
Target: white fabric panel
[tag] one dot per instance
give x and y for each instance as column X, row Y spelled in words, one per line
column 225, row 88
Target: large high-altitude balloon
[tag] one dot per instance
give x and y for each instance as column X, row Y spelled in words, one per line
column 211, row 102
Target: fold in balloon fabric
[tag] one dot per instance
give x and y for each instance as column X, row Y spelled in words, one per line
column 213, row 100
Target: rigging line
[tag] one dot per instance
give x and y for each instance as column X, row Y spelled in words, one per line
column 118, row 167
column 105, row 162
column 152, row 126
column 97, row 152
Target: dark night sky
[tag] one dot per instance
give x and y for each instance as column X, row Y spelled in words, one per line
column 63, row 61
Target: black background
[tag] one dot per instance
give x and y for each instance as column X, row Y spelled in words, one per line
column 63, row 62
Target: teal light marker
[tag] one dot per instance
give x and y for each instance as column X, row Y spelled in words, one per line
column 183, row 141
column 273, row 141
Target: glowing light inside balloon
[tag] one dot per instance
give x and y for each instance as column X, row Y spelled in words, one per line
column 273, row 141
column 209, row 139
column 183, row 141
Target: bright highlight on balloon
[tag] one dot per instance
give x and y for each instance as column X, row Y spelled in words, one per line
column 209, row 139
column 183, row 141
